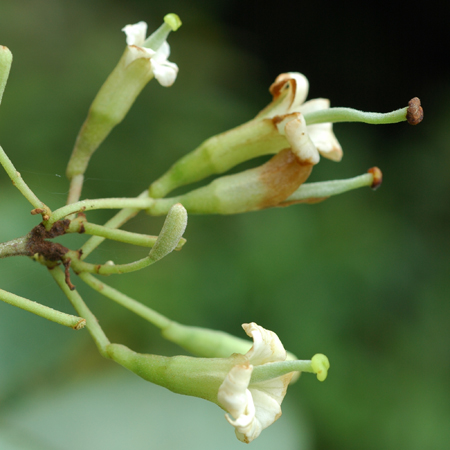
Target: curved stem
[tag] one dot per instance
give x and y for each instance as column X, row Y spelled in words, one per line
column 76, row 185
column 107, row 269
column 142, row 240
column 138, row 308
column 100, row 203
column 353, row 115
column 43, row 311
column 115, row 222
column 92, row 324
column 21, row 185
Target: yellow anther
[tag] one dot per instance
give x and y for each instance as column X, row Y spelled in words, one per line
column 320, row 366
column 173, row 21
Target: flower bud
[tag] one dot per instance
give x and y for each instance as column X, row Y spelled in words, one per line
column 171, row 233
column 138, row 65
column 5, row 67
column 253, row 189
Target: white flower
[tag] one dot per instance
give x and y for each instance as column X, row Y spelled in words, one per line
column 289, row 92
column 254, row 406
column 163, row 70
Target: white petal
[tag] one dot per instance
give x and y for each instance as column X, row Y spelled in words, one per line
column 247, row 427
column 134, row 52
column 135, row 33
column 267, row 346
column 322, row 133
column 289, row 91
column 165, row 73
column 163, row 52
column 232, row 393
column 293, row 126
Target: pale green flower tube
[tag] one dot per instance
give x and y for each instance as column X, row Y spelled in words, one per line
column 5, row 66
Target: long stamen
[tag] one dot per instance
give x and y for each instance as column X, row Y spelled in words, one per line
column 171, row 23
column 318, row 364
column 412, row 113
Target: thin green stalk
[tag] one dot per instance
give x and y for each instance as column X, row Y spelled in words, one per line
column 127, row 237
column 76, row 185
column 115, row 222
column 107, row 269
column 100, row 203
column 43, row 311
column 20, row 184
column 141, row 310
column 92, row 324
column 353, row 115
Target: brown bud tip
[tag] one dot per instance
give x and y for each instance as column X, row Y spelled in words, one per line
column 377, row 177
column 414, row 115
column 36, row 211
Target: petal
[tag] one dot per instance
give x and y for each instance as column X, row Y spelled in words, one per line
column 135, row 33
column 289, row 91
column 232, row 394
column 322, row 133
column 293, row 126
column 247, row 427
column 165, row 73
column 267, row 347
column 163, row 52
column 135, row 52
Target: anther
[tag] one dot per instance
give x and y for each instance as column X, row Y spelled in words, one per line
column 414, row 115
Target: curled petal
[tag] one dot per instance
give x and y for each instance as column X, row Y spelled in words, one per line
column 289, row 91
column 232, row 393
column 293, row 126
column 247, row 426
column 267, row 346
column 135, row 33
column 322, row 133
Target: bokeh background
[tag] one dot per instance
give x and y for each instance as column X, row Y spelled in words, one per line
column 363, row 277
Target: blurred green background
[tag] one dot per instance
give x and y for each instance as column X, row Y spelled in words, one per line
column 363, row 277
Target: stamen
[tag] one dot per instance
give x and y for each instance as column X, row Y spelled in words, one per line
column 171, row 23
column 324, row 189
column 353, row 115
column 414, row 114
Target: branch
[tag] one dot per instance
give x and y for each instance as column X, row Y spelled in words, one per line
column 43, row 311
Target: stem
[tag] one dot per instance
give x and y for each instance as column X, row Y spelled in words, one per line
column 353, row 115
column 20, row 184
column 43, row 311
column 100, row 203
column 92, row 324
column 15, row 247
column 115, row 222
column 107, row 269
column 142, row 240
column 138, row 308
column 76, row 185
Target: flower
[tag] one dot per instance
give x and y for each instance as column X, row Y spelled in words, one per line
column 162, row 69
column 281, row 125
column 250, row 387
column 289, row 92
column 254, row 405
